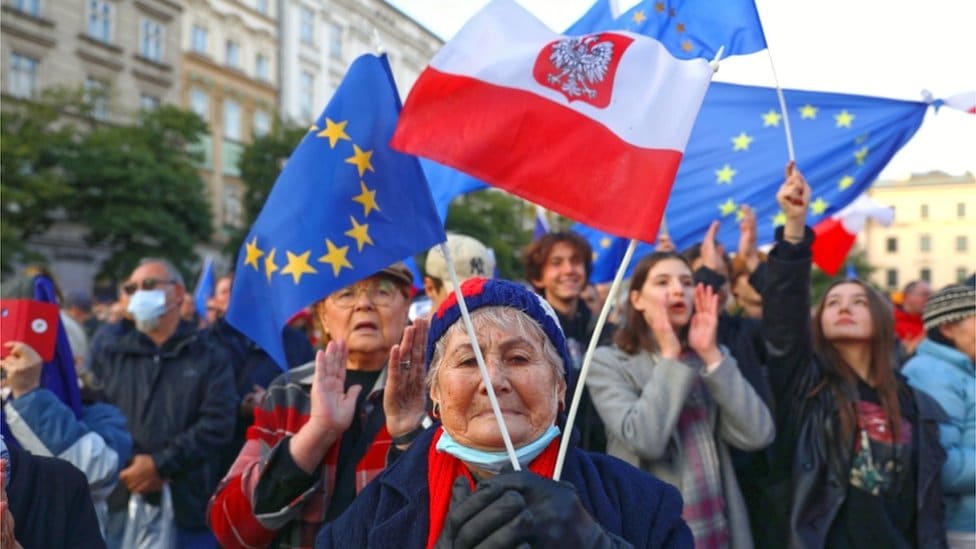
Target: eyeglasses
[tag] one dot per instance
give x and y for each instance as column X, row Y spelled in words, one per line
column 380, row 293
column 146, row 284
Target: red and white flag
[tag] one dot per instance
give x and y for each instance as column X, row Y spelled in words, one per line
column 837, row 233
column 965, row 102
column 591, row 127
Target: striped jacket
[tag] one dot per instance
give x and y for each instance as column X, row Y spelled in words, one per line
column 264, row 466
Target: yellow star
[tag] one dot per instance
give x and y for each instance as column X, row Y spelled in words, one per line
column 741, row 142
column 336, row 257
column 844, row 119
column 808, row 112
column 360, row 233
column 739, row 215
column 860, row 155
column 334, row 131
column 727, row 207
column 680, row 27
column 725, row 175
column 639, row 17
column 686, row 45
column 779, row 219
column 367, row 198
column 771, row 118
column 845, row 182
column 253, row 253
column 659, row 7
column 297, row 266
column 819, row 206
column 361, row 159
column 269, row 265
column 605, row 242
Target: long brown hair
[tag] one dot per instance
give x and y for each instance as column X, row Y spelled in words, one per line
column 635, row 334
column 841, row 379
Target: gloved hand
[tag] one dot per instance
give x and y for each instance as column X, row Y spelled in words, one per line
column 556, row 516
column 489, row 518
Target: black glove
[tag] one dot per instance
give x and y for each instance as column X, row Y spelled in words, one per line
column 489, row 518
column 556, row 516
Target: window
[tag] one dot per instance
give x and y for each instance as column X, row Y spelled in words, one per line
column 203, row 152
column 30, row 7
column 306, row 25
column 233, row 54
column 261, row 6
column 961, row 210
column 148, row 102
column 891, row 245
column 261, row 123
column 232, row 205
column 961, row 274
column 962, row 244
column 198, row 39
column 232, row 119
column 924, row 211
column 925, row 243
column 925, row 274
column 96, row 91
column 100, row 20
column 230, row 158
column 151, row 40
column 261, row 67
column 23, row 76
column 306, row 92
column 200, row 103
column 891, row 278
column 335, row 41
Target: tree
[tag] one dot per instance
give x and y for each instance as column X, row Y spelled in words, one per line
column 498, row 220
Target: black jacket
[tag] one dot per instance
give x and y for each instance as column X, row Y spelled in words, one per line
column 50, row 503
column 810, row 462
column 180, row 404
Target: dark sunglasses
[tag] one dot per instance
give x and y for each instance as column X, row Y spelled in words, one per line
column 147, row 284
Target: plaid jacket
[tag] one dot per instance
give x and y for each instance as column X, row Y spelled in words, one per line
column 285, row 409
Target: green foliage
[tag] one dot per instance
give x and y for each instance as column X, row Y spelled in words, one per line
column 819, row 280
column 260, row 164
column 498, row 220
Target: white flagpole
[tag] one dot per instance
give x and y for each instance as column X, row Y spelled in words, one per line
column 588, row 358
column 481, row 360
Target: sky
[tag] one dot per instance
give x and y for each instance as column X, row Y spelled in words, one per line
column 883, row 48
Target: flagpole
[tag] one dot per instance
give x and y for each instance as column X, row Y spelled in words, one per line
column 588, row 358
column 481, row 359
column 782, row 107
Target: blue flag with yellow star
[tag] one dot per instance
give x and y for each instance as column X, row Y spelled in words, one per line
column 687, row 28
column 345, row 206
column 737, row 153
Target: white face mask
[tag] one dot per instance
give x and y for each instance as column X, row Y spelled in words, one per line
column 146, row 307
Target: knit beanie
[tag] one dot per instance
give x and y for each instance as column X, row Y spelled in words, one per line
column 483, row 292
column 948, row 305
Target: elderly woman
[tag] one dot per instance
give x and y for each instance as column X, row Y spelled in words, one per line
column 450, row 488
column 325, row 429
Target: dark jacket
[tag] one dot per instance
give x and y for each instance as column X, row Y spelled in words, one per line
column 811, row 465
column 50, row 503
column 180, row 405
column 394, row 509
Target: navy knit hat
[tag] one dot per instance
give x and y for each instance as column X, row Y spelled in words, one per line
column 483, row 292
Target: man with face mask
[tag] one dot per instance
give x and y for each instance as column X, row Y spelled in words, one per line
column 177, row 391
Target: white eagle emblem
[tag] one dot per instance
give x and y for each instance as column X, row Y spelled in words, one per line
column 581, row 61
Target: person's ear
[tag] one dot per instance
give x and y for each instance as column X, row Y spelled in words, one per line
column 637, row 300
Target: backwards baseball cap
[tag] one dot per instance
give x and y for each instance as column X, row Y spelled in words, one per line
column 949, row 304
column 470, row 258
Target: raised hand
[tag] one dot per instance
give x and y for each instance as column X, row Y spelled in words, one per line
column 794, row 198
column 405, row 395
column 710, row 254
column 23, row 368
column 704, row 324
column 667, row 340
column 748, row 249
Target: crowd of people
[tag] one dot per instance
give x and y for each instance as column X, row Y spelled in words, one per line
column 721, row 409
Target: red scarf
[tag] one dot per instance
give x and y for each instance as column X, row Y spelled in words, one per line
column 443, row 468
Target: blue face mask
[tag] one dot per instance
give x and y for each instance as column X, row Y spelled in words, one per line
column 494, row 462
column 147, row 305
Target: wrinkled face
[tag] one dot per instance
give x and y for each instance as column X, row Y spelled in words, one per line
column 846, row 314
column 915, row 300
column 222, row 295
column 670, row 283
column 371, row 321
column 963, row 335
column 563, row 274
column 525, row 383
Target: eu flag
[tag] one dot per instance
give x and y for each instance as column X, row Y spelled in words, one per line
column 687, row 28
column 737, row 152
column 344, row 206
column 205, row 288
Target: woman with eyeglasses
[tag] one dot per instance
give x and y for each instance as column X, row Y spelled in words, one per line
column 325, row 429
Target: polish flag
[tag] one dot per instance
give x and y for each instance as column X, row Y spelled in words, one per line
column 591, row 127
column 836, row 234
column 965, row 102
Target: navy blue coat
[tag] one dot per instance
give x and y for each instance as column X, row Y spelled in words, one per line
column 393, row 510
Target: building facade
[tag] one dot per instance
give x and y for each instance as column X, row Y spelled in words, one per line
column 932, row 237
